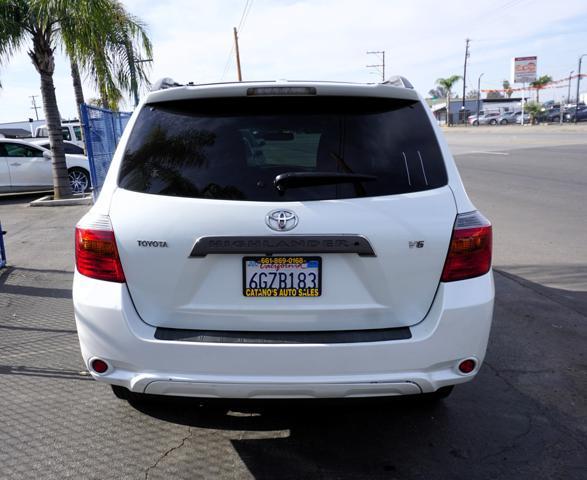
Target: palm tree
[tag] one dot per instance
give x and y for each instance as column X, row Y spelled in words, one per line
column 539, row 84
column 43, row 25
column 533, row 109
column 507, row 88
column 447, row 84
column 111, row 62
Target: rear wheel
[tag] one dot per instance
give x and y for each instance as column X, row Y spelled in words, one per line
column 124, row 393
column 503, row 122
column 79, row 179
column 438, row 395
column 493, row 122
column 120, row 392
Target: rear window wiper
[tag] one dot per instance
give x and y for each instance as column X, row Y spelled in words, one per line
column 287, row 180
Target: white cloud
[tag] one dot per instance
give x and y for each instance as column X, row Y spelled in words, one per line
column 327, row 39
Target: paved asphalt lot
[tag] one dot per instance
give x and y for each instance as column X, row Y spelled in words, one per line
column 524, row 417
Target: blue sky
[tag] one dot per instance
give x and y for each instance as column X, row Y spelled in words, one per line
column 327, row 40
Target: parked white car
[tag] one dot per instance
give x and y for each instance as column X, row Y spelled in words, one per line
column 339, row 257
column 72, row 132
column 25, row 168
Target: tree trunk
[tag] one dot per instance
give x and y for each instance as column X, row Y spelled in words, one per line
column 79, row 94
column 61, row 185
column 43, row 59
column 77, row 86
column 448, row 108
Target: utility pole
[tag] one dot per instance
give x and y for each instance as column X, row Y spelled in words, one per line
column 465, row 78
column 568, row 96
column 238, row 56
column 35, row 107
column 478, row 96
column 578, row 83
column 381, row 53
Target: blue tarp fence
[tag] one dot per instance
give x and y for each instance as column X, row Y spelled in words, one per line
column 2, row 249
column 102, row 131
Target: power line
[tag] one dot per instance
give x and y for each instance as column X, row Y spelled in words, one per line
column 247, row 9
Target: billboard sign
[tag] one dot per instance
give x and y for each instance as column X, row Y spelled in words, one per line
column 524, row 69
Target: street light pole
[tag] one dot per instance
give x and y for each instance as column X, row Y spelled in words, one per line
column 568, row 95
column 478, row 95
column 578, row 83
column 465, row 78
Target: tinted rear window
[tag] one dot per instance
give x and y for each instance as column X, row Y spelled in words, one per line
column 234, row 148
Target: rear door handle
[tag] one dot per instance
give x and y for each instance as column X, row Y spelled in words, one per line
column 16, row 164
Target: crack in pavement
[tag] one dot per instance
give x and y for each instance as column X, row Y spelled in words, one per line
column 541, row 409
column 167, row 452
column 514, row 441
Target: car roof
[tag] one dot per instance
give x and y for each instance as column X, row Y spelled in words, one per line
column 21, row 142
column 391, row 89
column 39, row 141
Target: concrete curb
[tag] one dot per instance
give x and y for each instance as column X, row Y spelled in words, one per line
column 47, row 201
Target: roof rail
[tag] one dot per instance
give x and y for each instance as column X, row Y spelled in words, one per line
column 164, row 83
column 398, row 81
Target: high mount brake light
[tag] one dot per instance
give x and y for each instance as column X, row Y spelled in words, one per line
column 260, row 91
column 469, row 254
column 96, row 255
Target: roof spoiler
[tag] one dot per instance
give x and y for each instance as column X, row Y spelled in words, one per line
column 398, row 81
column 165, row 83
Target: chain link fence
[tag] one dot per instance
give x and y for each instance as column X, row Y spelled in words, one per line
column 102, row 131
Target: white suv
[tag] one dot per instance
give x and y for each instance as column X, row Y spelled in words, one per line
column 283, row 239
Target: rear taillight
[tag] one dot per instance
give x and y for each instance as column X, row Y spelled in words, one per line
column 469, row 254
column 96, row 255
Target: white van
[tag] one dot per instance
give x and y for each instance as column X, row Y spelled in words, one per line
column 72, row 132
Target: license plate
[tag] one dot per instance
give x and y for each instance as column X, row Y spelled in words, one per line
column 282, row 276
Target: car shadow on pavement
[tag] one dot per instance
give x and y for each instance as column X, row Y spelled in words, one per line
column 350, row 438
column 58, row 373
column 20, row 198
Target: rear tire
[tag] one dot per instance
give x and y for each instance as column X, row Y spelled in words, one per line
column 439, row 395
column 122, row 393
column 503, row 122
column 493, row 122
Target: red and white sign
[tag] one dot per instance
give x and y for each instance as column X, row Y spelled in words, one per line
column 524, row 69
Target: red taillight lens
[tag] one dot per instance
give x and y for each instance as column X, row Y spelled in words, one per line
column 469, row 254
column 467, row 366
column 96, row 255
column 99, row 366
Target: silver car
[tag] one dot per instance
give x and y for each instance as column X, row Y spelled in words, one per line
column 486, row 119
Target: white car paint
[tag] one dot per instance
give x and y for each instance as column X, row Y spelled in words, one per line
column 31, row 172
column 400, row 288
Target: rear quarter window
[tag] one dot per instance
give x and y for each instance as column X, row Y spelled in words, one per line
column 233, row 148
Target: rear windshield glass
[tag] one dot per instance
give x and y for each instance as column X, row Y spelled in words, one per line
column 234, row 148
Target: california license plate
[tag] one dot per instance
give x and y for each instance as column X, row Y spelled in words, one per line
column 282, row 276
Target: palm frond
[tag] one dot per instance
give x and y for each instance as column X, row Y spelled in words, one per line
column 14, row 27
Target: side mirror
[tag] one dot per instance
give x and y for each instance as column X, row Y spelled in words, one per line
column 47, row 155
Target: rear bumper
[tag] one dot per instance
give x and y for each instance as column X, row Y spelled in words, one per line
column 456, row 327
